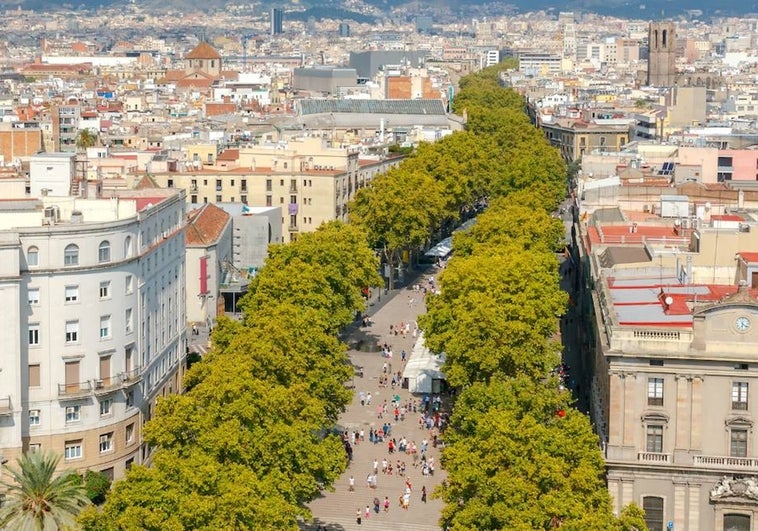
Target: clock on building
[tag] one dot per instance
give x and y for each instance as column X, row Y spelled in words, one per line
column 742, row 324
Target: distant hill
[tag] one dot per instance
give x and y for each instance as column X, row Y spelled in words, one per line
column 644, row 9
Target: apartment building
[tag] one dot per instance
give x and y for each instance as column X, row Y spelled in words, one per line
column 94, row 328
column 673, row 346
column 309, row 180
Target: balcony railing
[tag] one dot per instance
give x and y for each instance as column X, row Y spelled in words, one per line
column 105, row 385
column 130, row 377
column 293, row 189
column 653, row 457
column 6, row 408
column 74, row 390
column 293, row 228
column 725, row 461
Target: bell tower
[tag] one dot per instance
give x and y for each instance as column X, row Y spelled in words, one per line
column 661, row 62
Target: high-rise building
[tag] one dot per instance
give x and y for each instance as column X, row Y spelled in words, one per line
column 277, row 16
column 661, row 63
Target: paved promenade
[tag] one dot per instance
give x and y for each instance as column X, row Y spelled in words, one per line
column 336, row 511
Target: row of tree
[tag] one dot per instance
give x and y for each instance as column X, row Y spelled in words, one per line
column 518, row 456
column 248, row 444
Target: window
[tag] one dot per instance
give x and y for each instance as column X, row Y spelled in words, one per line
column 32, row 296
column 739, row 395
column 34, row 417
column 218, row 199
column 130, row 399
column 656, row 363
column 243, row 199
column 106, row 442
column 127, row 247
column 738, row 443
column 129, row 434
column 71, row 255
column 32, row 256
column 737, row 522
column 653, row 507
column 193, row 199
column 72, row 293
column 73, row 450
column 72, row 331
column 218, row 185
column 655, row 391
column 34, row 375
column 105, row 326
column 73, row 413
column 105, row 289
column 104, row 252
column 105, row 406
column 128, row 320
column 33, row 334
column 269, row 200
column 268, row 185
column 654, row 440
column 129, row 284
column 34, row 448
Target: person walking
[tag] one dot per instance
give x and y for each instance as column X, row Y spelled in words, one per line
column 367, row 512
column 423, row 494
column 358, row 516
column 351, row 483
column 386, row 504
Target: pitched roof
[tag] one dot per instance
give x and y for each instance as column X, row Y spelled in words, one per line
column 146, row 181
column 205, row 225
column 203, row 51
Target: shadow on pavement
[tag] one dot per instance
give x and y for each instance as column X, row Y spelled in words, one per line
column 318, row 525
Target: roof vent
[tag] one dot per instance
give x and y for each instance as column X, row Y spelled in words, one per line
column 77, row 216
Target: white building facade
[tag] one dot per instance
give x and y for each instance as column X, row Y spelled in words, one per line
column 95, row 326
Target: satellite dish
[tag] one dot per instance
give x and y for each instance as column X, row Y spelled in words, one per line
column 677, row 222
column 669, row 300
column 708, row 205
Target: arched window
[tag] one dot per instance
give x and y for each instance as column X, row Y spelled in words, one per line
column 128, row 247
column 653, row 506
column 71, row 255
column 32, row 256
column 104, row 252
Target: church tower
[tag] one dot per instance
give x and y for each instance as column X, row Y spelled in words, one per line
column 661, row 62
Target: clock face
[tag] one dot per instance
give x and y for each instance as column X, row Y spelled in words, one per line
column 742, row 324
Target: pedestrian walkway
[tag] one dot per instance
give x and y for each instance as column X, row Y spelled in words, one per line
column 337, row 510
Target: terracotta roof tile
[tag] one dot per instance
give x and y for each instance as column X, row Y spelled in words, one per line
column 205, row 225
column 203, row 51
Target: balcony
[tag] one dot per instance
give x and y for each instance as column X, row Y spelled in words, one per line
column 292, row 228
column 724, row 461
column 193, row 188
column 6, row 408
column 653, row 457
column 106, row 385
column 293, row 189
column 74, row 390
column 129, row 378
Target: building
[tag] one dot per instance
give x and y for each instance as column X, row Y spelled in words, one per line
column 19, row 140
column 94, row 326
column 208, row 239
column 539, row 64
column 65, row 120
column 344, row 30
column 661, row 62
column 574, row 138
column 673, row 336
column 324, row 80
column 276, row 18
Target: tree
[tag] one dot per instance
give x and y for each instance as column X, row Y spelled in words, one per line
column 514, row 462
column 38, row 498
column 399, row 212
column 85, row 139
column 96, row 485
column 495, row 314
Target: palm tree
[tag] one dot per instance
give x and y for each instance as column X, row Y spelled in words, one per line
column 85, row 139
column 37, row 499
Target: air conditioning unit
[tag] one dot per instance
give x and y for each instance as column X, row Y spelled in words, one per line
column 164, row 234
column 99, row 384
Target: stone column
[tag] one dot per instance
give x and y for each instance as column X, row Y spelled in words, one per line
column 680, row 509
column 627, row 492
column 630, row 425
column 682, row 414
column 696, row 413
column 615, row 492
column 693, row 500
column 616, row 410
